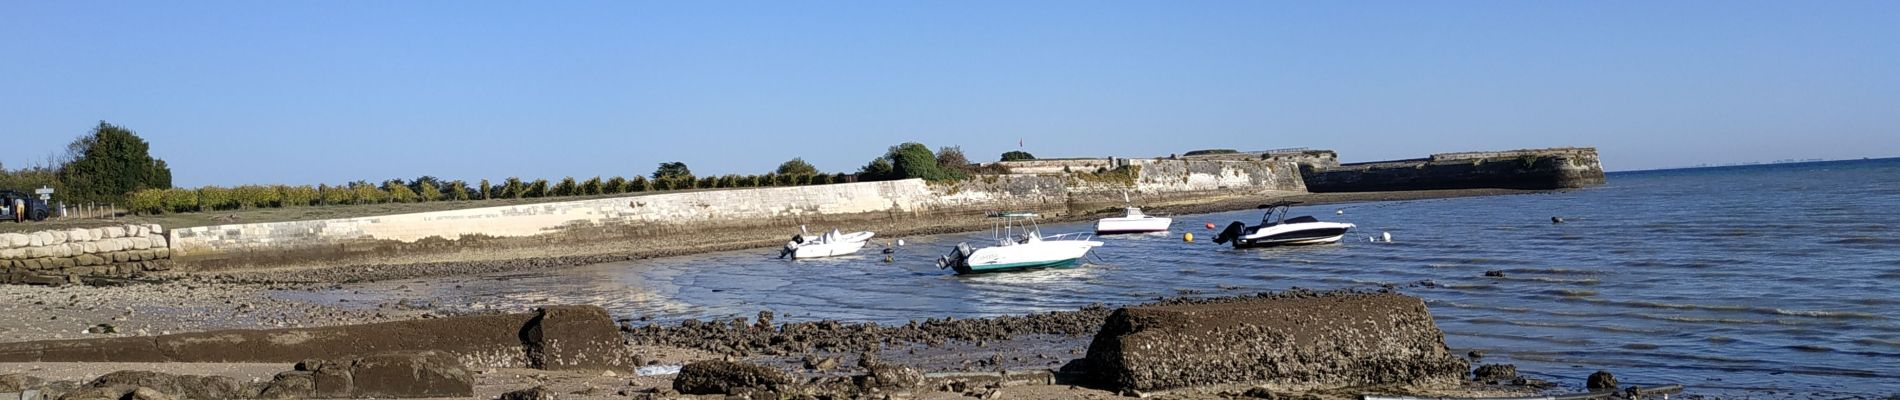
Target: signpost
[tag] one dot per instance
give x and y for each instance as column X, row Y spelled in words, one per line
column 46, row 193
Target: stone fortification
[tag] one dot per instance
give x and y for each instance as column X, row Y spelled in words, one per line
column 1535, row 169
column 68, row 255
column 743, row 217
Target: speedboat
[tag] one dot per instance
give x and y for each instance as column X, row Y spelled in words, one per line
column 1020, row 245
column 1276, row 229
column 834, row 243
column 1134, row 221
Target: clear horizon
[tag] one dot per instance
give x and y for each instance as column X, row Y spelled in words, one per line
column 233, row 93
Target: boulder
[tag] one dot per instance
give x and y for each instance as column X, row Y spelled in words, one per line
column 1295, row 340
column 78, row 235
column 139, row 243
column 1601, row 380
column 575, row 337
column 891, row 376
column 56, row 237
column 97, row 393
column 410, row 375
column 15, row 383
column 290, row 385
column 1495, row 373
column 533, row 393
column 113, row 232
column 146, row 393
column 726, row 377
column 13, row 240
column 186, row 386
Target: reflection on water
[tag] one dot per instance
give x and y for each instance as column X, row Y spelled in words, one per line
column 1779, row 277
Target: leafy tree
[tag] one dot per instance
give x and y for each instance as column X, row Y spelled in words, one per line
column 416, row 184
column 914, row 160
column 365, row 193
column 399, row 192
column 458, row 191
column 616, row 185
column 639, row 184
column 950, row 158
column 537, row 189
column 879, row 169
column 336, row 195
column 109, row 163
column 797, row 166
column 512, row 188
column 567, row 187
column 672, row 170
column 426, row 191
column 1018, row 155
column 592, row 187
column 486, row 191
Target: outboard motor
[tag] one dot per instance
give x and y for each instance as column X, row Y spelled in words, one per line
column 956, row 256
column 1233, row 232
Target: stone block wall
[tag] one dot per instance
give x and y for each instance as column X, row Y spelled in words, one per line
column 723, row 217
column 66, row 255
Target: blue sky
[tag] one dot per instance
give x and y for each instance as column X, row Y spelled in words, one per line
column 329, row 92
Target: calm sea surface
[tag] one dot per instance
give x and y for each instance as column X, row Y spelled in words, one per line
column 1762, row 278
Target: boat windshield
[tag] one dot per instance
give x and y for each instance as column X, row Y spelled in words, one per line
column 1135, row 212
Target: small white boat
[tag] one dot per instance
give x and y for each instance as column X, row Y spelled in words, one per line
column 833, row 243
column 1133, row 222
column 1276, row 229
column 1020, row 245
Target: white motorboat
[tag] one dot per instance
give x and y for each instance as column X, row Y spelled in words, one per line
column 834, row 243
column 1132, row 222
column 1276, row 229
column 1020, row 245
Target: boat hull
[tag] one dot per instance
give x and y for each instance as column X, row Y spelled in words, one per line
column 827, row 250
column 1109, row 226
column 1028, row 256
column 1295, row 235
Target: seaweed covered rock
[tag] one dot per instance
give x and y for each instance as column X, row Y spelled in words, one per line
column 725, row 377
column 1294, row 339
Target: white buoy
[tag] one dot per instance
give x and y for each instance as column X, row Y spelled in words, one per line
column 900, row 242
column 1388, row 236
column 1339, row 212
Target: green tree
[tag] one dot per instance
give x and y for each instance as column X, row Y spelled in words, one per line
column 592, row 187
column 537, row 189
column 365, row 193
column 512, row 188
column 616, row 185
column 486, row 191
column 672, row 170
column 639, row 184
column 109, row 163
column 879, row 169
column 427, row 191
column 914, row 160
column 797, row 166
column 567, row 187
column 399, row 192
column 458, row 191
column 951, row 159
column 1018, row 155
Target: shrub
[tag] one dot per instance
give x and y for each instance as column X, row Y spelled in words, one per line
column 297, row 195
column 457, row 190
column 400, row 193
column 427, row 191
column 729, row 181
column 615, row 185
column 786, row 180
column 537, row 189
column 486, row 190
column 914, row 160
column 512, row 188
column 821, row 179
column 592, row 187
column 566, row 187
column 708, row 182
column 950, row 158
column 215, row 198
column 639, row 184
column 255, row 196
column 1018, row 155
column 181, row 200
column 878, row 169
column 842, row 178
column 146, row 201
column 1204, row 152
column 335, row 195
column 365, row 193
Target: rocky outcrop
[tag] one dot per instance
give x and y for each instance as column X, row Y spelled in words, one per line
column 69, row 255
column 726, row 377
column 387, row 375
column 1295, row 340
column 564, row 337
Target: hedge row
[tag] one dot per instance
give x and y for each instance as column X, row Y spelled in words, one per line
column 212, row 198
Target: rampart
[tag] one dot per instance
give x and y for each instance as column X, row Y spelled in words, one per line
column 1535, row 169
column 716, row 219
column 69, row 255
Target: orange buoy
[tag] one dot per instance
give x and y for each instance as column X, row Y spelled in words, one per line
column 1189, row 237
column 1210, row 225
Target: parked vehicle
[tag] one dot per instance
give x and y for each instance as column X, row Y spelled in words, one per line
column 21, row 206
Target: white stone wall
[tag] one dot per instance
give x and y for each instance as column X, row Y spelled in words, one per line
column 109, row 251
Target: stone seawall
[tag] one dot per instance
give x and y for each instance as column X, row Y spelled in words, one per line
column 714, row 219
column 68, row 255
column 1535, row 169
